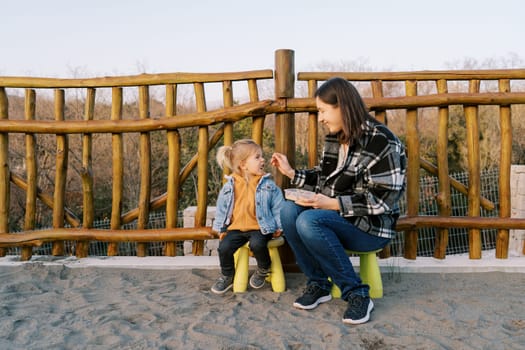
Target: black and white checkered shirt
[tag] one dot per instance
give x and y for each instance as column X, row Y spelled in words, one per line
column 370, row 182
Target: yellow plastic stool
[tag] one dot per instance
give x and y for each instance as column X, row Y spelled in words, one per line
column 369, row 273
column 276, row 276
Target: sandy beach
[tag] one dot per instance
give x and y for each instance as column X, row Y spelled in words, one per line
column 63, row 307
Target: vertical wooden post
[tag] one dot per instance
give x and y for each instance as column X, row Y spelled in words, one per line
column 173, row 185
column 117, row 147
column 502, row 239
column 145, row 170
column 412, row 192
column 285, row 132
column 31, row 170
column 443, row 198
column 284, row 122
column 4, row 169
column 313, row 129
column 474, row 181
column 60, row 173
column 377, row 91
column 227, row 96
column 82, row 247
column 257, row 122
column 202, row 170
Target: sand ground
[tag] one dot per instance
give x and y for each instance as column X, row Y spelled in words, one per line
column 62, row 307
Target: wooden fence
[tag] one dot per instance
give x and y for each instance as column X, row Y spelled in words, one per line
column 67, row 225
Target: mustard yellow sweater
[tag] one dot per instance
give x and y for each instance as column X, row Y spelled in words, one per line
column 243, row 216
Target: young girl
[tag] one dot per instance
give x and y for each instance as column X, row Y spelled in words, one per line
column 248, row 209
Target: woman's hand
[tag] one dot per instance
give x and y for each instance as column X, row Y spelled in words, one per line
column 319, row 201
column 280, row 161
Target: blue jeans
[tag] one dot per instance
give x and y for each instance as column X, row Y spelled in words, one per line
column 319, row 238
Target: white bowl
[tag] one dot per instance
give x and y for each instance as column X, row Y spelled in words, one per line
column 295, row 194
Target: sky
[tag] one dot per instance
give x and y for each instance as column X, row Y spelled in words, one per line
column 76, row 39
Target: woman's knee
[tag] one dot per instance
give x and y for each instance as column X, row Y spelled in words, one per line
column 307, row 225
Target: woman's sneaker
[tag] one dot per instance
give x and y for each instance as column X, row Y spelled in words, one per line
column 312, row 296
column 359, row 309
column 258, row 278
column 222, row 285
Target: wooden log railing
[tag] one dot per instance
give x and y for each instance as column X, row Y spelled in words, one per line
column 285, row 106
column 62, row 128
column 470, row 100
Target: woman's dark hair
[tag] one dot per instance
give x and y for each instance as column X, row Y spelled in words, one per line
column 339, row 92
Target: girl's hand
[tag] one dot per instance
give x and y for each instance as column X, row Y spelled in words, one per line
column 277, row 233
column 280, row 161
column 319, row 201
column 222, row 235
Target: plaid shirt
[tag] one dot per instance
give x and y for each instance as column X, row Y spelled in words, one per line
column 368, row 185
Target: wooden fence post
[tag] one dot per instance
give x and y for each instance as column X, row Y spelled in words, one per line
column 285, row 132
column 474, row 180
column 4, row 169
column 32, row 173
column 61, row 161
column 284, row 122
column 412, row 191
column 502, row 238
column 443, row 198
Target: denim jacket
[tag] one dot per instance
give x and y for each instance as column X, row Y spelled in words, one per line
column 268, row 201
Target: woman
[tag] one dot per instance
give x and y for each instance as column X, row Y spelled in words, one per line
column 358, row 185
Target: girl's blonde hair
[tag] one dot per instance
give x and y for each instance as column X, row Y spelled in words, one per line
column 231, row 156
